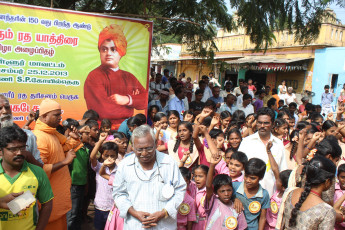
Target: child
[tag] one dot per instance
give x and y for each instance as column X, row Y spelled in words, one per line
column 254, row 198
column 234, row 139
column 276, row 199
column 219, row 204
column 326, row 101
column 187, row 210
column 105, row 125
column 79, row 176
column 188, row 116
column 183, row 145
column 236, row 165
column 281, row 129
column 200, row 174
column 280, row 104
column 340, row 191
column 225, row 118
column 103, row 200
column 160, row 124
column 227, row 155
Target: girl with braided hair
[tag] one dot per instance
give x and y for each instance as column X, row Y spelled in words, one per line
column 304, row 207
column 182, row 149
column 225, row 118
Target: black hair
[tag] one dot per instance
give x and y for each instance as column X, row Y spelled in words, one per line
column 173, row 112
column 314, row 116
column 327, row 125
column 210, row 103
column 105, row 122
column 329, row 146
column 10, row 134
column 283, row 112
column 207, row 121
column 243, row 88
column 91, row 115
column 165, row 71
column 284, row 177
column 214, row 133
column 141, row 117
column 317, row 107
column 158, row 116
column 69, row 122
column 239, row 117
column 178, row 90
column 274, row 91
column 341, row 168
column 110, row 146
column 234, row 130
column 293, row 104
column 310, row 107
column 229, row 150
column 326, row 87
column 246, row 96
column 281, row 101
column 92, row 123
column 190, row 112
column 318, row 171
column 151, row 108
column 241, row 80
column 202, row 167
column 185, row 173
column 81, row 126
column 134, row 121
column 37, row 114
column 240, row 157
column 302, row 125
column 220, row 180
column 201, row 82
column 271, row 102
column 266, row 111
column 189, row 126
column 225, row 114
column 279, row 122
column 199, row 91
column 256, row 167
column 119, row 135
column 61, row 129
column 294, row 133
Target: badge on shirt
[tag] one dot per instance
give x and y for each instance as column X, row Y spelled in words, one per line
column 184, row 209
column 274, row 207
column 231, row 222
column 110, row 215
column 202, row 201
column 254, row 207
column 188, row 161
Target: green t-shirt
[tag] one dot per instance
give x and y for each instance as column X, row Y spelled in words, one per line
column 79, row 167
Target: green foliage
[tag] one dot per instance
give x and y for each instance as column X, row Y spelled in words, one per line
column 195, row 22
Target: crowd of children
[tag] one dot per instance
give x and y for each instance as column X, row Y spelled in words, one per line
column 224, row 188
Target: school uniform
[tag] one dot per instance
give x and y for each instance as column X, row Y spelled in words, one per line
column 252, row 206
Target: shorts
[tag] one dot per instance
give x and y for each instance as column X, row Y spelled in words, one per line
column 100, row 219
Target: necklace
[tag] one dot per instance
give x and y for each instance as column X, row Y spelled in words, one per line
column 315, row 193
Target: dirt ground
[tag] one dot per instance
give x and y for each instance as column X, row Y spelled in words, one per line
column 88, row 224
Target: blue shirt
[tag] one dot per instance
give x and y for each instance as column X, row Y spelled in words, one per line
column 327, row 99
column 225, row 107
column 124, row 128
column 217, row 99
column 161, row 109
column 261, row 197
column 178, row 105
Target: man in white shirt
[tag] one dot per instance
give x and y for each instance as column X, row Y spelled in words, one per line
column 213, row 80
column 246, row 105
column 255, row 146
column 237, row 90
column 203, row 85
column 148, row 187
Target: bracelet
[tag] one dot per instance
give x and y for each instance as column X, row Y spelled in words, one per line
column 166, row 213
column 339, row 120
column 308, row 148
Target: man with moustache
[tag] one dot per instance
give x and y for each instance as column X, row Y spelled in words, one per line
column 148, row 186
column 18, row 176
column 113, row 93
column 57, row 152
column 32, row 154
column 255, row 146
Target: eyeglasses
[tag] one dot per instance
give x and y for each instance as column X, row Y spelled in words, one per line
column 16, row 149
column 260, row 123
column 148, row 149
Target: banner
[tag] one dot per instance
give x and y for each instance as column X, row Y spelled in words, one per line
column 81, row 60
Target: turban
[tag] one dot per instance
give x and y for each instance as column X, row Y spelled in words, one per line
column 48, row 105
column 114, row 33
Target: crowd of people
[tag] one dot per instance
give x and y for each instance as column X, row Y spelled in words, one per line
column 244, row 157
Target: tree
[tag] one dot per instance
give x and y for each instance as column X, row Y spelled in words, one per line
column 194, row 22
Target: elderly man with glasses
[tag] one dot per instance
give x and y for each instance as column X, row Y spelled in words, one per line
column 148, row 186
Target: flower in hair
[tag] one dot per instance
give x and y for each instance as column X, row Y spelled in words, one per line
column 311, row 154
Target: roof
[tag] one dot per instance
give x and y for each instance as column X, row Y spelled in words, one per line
column 265, row 59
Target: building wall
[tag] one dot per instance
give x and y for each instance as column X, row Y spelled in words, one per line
column 328, row 61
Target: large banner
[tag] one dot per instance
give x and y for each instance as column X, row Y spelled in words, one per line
column 83, row 61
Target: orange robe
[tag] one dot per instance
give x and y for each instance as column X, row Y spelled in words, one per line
column 52, row 146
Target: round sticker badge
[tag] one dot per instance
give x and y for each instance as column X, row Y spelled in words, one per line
column 274, row 207
column 184, row 209
column 188, row 161
column 254, row 207
column 202, row 201
column 231, row 222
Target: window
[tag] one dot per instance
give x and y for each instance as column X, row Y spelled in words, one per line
column 334, row 82
column 332, row 34
column 341, row 36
